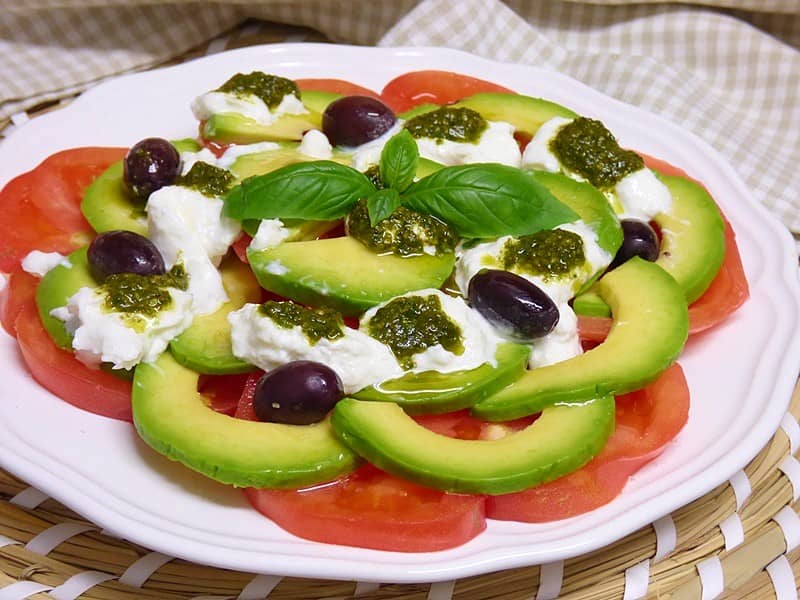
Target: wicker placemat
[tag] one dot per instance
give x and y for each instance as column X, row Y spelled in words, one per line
column 738, row 541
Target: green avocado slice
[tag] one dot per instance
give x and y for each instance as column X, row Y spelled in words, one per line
column 561, row 440
column 205, row 346
column 56, row 288
column 525, row 113
column 233, row 128
column 173, row 418
column 434, row 392
column 107, row 205
column 692, row 244
column 344, row 274
column 651, row 324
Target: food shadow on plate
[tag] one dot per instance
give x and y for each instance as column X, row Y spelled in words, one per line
column 174, row 474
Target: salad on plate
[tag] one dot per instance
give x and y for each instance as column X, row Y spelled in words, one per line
column 386, row 317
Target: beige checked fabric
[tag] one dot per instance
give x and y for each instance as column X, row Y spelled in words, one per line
column 728, row 70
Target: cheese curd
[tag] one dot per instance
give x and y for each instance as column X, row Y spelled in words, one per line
column 38, row 263
column 99, row 335
column 366, row 155
column 488, row 254
column 316, row 145
column 496, row 145
column 188, row 226
column 640, row 194
column 250, row 106
column 561, row 343
column 478, row 336
column 271, row 233
column 358, row 359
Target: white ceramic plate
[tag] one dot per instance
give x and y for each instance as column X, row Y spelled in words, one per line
column 741, row 374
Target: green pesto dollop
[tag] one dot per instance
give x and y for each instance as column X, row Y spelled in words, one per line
column 270, row 88
column 549, row 253
column 412, row 324
column 141, row 296
column 587, row 148
column 405, row 232
column 448, row 123
column 315, row 323
column 373, row 173
column 207, row 179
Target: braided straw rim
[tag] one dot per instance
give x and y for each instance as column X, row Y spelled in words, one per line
column 739, row 541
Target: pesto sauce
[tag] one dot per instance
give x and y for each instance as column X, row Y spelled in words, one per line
column 549, row 253
column 207, row 179
column 373, row 173
column 405, row 232
column 315, row 323
column 587, row 148
column 412, row 324
column 141, row 296
column 270, row 88
column 447, row 123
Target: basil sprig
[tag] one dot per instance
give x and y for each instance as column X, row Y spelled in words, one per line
column 486, row 200
column 321, row 190
column 382, row 204
column 398, row 164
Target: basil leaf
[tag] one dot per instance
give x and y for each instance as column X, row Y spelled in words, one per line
column 382, row 204
column 487, row 201
column 320, row 190
column 399, row 159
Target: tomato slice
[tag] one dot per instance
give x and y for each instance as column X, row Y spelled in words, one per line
column 438, row 87
column 336, row 86
column 223, row 391
column 65, row 376
column 40, row 209
column 646, row 420
column 20, row 290
column 369, row 508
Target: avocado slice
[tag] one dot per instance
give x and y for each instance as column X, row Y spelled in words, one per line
column 56, row 288
column 525, row 113
column 205, row 346
column 561, row 440
column 344, row 274
column 692, row 244
column 107, row 205
column 435, row 392
column 173, row 418
column 651, row 324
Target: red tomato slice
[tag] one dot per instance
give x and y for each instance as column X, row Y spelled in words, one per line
column 369, row 508
column 40, row 210
column 20, row 290
column 240, row 247
column 372, row 509
column 65, row 376
column 437, row 87
column 646, row 420
column 336, row 86
column 223, row 391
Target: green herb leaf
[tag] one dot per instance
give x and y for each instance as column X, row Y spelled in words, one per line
column 382, row 204
column 399, row 159
column 320, row 190
column 487, row 201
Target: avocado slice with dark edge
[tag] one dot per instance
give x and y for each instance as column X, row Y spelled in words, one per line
column 173, row 418
column 344, row 274
column 525, row 113
column 651, row 324
column 233, row 128
column 56, row 288
column 435, row 392
column 107, row 204
column 561, row 440
column 205, row 346
column 692, row 244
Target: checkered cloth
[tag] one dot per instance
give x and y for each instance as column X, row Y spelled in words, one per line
column 728, row 70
